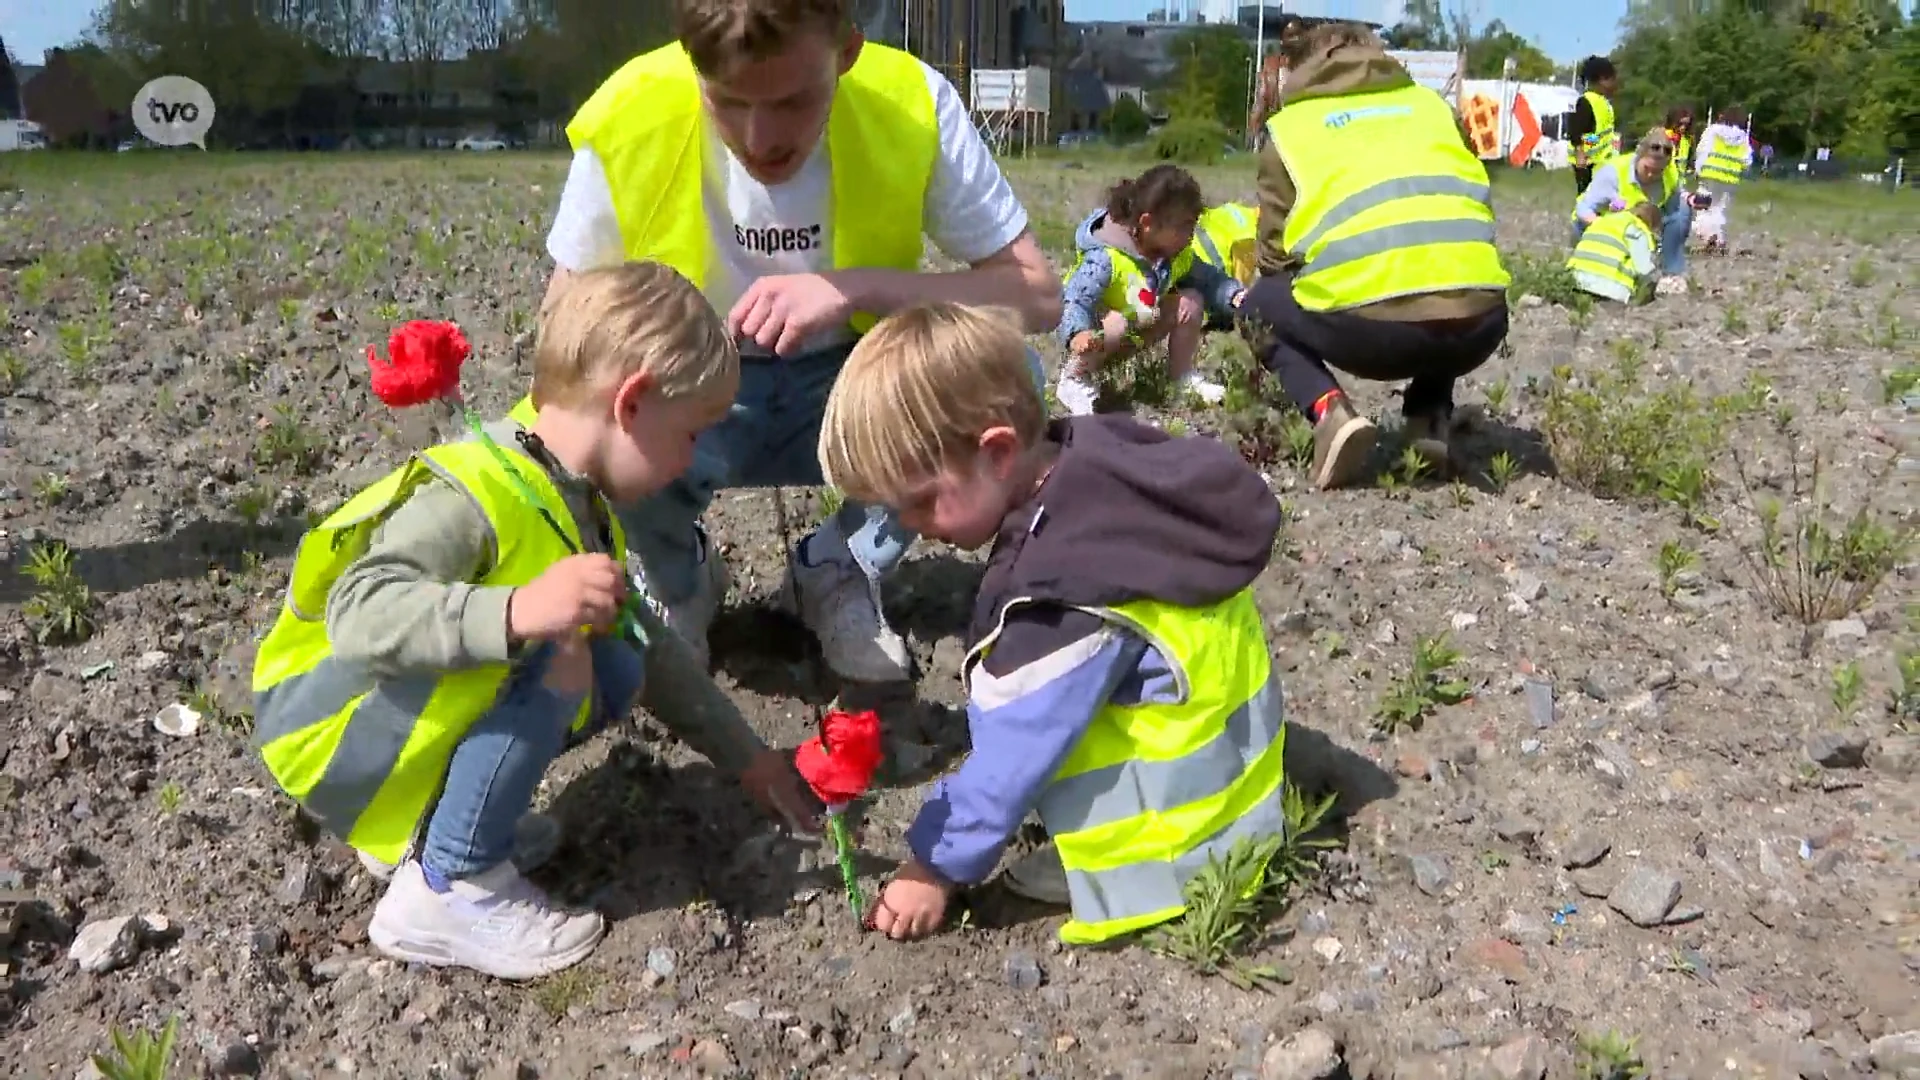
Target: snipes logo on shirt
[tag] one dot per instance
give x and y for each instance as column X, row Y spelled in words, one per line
column 775, row 240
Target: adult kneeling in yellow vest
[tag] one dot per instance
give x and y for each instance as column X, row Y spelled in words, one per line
column 1648, row 175
column 790, row 169
column 1376, row 248
column 1118, row 678
column 444, row 633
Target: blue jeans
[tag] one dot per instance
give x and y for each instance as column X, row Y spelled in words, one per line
column 497, row 767
column 770, row 438
column 1674, row 229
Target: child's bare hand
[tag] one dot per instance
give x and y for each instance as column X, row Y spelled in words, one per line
column 577, row 591
column 913, row 904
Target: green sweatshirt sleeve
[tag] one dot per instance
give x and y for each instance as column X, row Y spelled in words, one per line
column 408, row 605
column 682, row 696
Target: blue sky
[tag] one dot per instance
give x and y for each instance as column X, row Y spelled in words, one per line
column 1567, row 31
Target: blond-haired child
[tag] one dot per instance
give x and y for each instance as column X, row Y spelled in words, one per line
column 1118, row 679
column 447, row 631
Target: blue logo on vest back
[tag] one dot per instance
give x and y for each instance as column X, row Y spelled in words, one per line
column 1376, row 112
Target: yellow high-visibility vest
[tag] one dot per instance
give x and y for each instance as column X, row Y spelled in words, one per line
column 646, row 126
column 1604, row 144
column 1726, row 162
column 1224, row 239
column 1603, row 249
column 366, row 757
column 1391, row 202
column 1631, row 193
column 1151, row 790
column 1129, row 289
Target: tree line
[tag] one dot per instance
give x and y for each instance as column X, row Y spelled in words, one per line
column 1836, row 74
column 277, row 66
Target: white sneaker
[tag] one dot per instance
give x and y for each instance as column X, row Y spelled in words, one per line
column 535, row 838
column 1075, row 394
column 1203, row 388
column 494, row 922
column 693, row 617
column 841, row 605
column 1672, row 285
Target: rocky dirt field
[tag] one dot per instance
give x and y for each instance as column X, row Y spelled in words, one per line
column 1622, row 715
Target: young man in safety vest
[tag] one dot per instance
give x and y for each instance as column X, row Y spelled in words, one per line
column 1594, row 133
column 1646, row 175
column 446, row 633
column 1118, row 676
column 790, row 168
column 1616, row 256
column 1376, row 250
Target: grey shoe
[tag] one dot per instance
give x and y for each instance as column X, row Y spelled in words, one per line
column 1039, row 876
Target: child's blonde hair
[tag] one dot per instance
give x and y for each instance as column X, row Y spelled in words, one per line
column 1649, row 216
column 918, row 392
column 598, row 327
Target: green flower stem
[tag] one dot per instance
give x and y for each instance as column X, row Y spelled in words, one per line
column 843, row 851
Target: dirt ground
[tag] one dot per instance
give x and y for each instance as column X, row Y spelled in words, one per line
column 181, row 348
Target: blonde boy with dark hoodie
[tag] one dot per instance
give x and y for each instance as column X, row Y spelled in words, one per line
column 1118, row 678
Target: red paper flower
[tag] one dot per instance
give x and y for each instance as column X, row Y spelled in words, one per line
column 422, row 364
column 1147, row 299
column 838, row 763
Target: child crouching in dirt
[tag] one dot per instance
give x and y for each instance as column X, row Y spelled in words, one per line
column 1617, row 256
column 446, row 632
column 1117, row 674
column 1137, row 283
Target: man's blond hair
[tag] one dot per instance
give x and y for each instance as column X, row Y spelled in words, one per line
column 597, row 327
column 718, row 34
column 918, row 392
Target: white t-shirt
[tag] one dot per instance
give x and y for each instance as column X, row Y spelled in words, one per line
column 758, row 231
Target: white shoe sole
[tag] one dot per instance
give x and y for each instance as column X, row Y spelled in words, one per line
column 439, row 950
column 1347, row 456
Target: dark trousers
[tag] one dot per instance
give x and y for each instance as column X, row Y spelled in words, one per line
column 1298, row 346
column 1582, row 176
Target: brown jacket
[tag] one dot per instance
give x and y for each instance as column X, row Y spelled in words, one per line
column 1350, row 69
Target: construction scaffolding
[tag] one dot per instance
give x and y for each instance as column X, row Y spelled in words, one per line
column 1011, row 107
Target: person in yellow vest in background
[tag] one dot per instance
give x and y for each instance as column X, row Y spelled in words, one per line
column 445, row 633
column 1225, row 239
column 1118, row 677
column 1594, row 134
column 1138, row 282
column 790, row 168
column 1646, row 175
column 1615, row 258
column 1376, row 251
column 1680, row 130
column 1725, row 155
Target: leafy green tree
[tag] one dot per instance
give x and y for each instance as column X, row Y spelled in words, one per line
column 1127, row 121
column 1212, row 65
column 1488, row 50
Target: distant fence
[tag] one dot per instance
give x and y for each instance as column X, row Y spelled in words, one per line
column 1891, row 173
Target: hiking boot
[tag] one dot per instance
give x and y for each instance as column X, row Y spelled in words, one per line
column 1039, row 876
column 693, row 617
column 535, row 838
column 1341, row 442
column 494, row 922
column 1075, row 393
column 1427, row 434
column 1203, row 388
column 833, row 596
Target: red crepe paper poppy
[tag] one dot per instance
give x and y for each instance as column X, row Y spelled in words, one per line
column 1147, row 299
column 838, row 763
column 422, row 364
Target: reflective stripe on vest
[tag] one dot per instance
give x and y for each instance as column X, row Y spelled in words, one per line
column 1219, row 229
column 1605, row 144
column 1391, row 202
column 645, row 125
column 1725, row 164
column 367, row 757
column 1151, row 790
column 1603, row 249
